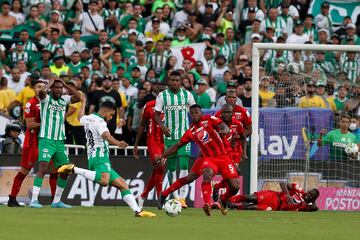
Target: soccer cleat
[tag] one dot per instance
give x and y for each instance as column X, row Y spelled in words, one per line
column 145, row 214
column 140, row 201
column 183, row 203
column 12, row 202
column 67, row 168
column 215, row 205
column 223, row 209
column 215, row 194
column 60, row 204
column 35, row 204
column 207, row 209
column 161, row 201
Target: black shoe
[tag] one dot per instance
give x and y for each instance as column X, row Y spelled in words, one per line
column 215, row 194
column 161, row 201
column 12, row 202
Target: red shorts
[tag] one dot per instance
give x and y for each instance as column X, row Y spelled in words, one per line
column 29, row 157
column 224, row 165
column 199, row 165
column 155, row 150
column 268, row 199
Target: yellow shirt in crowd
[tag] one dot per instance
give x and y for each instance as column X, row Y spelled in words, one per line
column 266, row 96
column 313, row 102
column 6, row 97
column 25, row 95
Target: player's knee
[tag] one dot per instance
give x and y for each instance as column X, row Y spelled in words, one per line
column 104, row 182
column 207, row 175
column 234, row 186
column 24, row 171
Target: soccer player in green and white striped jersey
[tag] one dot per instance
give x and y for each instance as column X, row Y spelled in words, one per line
column 175, row 103
column 52, row 136
column 98, row 138
column 351, row 66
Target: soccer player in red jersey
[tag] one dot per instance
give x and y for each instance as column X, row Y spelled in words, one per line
column 237, row 140
column 240, row 113
column 292, row 198
column 205, row 132
column 30, row 148
column 155, row 145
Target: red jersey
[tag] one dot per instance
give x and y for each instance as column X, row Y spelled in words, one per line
column 32, row 110
column 297, row 199
column 205, row 135
column 241, row 114
column 154, row 131
column 236, row 127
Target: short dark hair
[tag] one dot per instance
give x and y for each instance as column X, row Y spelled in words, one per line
column 55, row 30
column 345, row 115
column 57, row 81
column 6, row 3
column 108, row 105
column 175, row 74
column 195, row 106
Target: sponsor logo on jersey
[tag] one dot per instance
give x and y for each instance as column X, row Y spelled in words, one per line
column 175, row 107
column 57, row 108
column 203, row 136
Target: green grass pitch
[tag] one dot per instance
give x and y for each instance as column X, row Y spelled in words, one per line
column 103, row 223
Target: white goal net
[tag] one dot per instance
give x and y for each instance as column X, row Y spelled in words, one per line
column 307, row 92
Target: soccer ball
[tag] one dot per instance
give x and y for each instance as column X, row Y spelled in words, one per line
column 351, row 148
column 172, row 208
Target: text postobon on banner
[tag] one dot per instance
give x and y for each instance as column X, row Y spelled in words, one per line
column 344, row 199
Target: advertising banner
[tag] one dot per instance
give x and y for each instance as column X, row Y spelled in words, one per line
column 345, row 199
column 338, row 9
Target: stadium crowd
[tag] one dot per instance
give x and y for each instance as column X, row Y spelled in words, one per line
column 122, row 51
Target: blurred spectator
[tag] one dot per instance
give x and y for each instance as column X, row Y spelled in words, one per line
column 282, row 98
column 264, row 91
column 7, row 95
column 6, row 20
column 203, row 98
column 12, row 142
column 134, row 115
column 91, row 21
column 323, row 19
column 231, row 86
column 311, row 100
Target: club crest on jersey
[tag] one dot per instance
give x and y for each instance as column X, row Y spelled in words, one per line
column 203, row 136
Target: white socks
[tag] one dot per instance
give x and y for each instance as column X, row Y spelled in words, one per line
column 35, row 193
column 58, row 193
column 85, row 173
column 131, row 202
column 184, row 189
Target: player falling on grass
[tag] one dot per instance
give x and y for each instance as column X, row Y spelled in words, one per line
column 98, row 138
column 237, row 140
column 30, row 149
column 52, row 136
column 205, row 132
column 291, row 198
column 155, row 146
column 174, row 103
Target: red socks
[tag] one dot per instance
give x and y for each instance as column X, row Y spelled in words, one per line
column 52, row 181
column 206, row 192
column 175, row 186
column 19, row 178
column 155, row 180
column 238, row 198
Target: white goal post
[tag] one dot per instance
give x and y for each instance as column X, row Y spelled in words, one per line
column 255, row 140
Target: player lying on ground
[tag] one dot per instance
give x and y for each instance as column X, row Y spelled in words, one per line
column 98, row 138
column 155, row 146
column 237, row 140
column 52, row 136
column 291, row 198
column 30, row 150
column 205, row 132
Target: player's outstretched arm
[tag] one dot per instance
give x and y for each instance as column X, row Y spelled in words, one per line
column 107, row 136
column 310, row 208
column 158, row 121
column 82, row 108
column 173, row 149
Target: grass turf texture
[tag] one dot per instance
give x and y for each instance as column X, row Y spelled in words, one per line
column 119, row 223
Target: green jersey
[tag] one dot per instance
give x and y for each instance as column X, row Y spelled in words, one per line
column 176, row 108
column 337, row 142
column 52, row 112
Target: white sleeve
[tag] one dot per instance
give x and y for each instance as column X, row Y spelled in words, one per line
column 262, row 26
column 191, row 99
column 159, row 103
column 82, row 120
column 260, row 15
column 67, row 99
column 102, row 127
column 101, row 26
column 81, row 17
